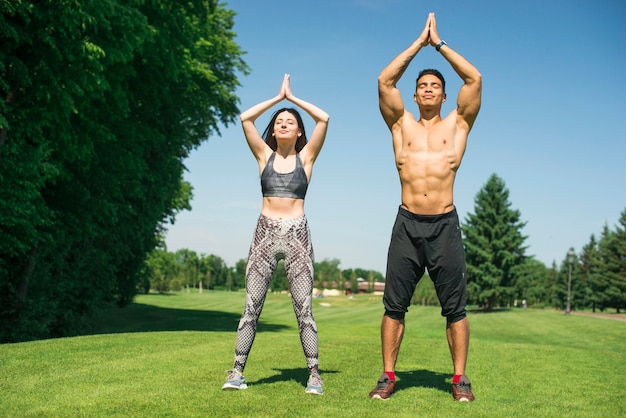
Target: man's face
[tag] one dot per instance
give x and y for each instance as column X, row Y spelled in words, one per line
column 429, row 91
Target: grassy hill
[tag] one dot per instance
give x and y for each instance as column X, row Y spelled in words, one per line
column 165, row 356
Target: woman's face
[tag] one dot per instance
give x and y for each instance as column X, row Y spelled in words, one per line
column 286, row 127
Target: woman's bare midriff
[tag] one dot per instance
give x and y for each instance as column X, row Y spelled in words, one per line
column 282, row 208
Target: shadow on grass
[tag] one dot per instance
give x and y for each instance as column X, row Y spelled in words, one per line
column 284, row 375
column 138, row 317
column 423, row 378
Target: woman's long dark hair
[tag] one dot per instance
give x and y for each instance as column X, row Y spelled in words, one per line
column 269, row 138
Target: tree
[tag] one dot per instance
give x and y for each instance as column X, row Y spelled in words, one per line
column 619, row 259
column 425, row 293
column 531, row 283
column 493, row 246
column 163, row 270
column 612, row 265
column 280, row 281
column 188, row 262
column 218, row 270
column 354, row 283
column 559, row 294
column 326, row 273
column 371, row 279
column 551, row 283
column 590, row 273
column 101, row 103
column 240, row 273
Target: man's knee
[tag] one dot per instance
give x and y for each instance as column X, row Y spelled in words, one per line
column 456, row 317
column 398, row 316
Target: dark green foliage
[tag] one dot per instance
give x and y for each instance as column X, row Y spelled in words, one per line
column 598, row 276
column 327, row 274
column 613, row 254
column 590, row 275
column 532, row 282
column 560, row 288
column 551, row 282
column 617, row 265
column 494, row 246
column 101, row 102
column 279, row 281
column 607, row 275
column 425, row 293
column 164, row 271
column 593, row 285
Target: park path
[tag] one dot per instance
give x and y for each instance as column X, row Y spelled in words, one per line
column 614, row 316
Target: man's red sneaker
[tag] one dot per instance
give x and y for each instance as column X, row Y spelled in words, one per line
column 384, row 388
column 462, row 391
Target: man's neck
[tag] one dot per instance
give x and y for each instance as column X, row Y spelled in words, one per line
column 429, row 117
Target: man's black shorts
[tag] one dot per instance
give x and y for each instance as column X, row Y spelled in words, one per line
column 432, row 242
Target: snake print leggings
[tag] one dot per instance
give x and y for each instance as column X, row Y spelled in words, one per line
column 274, row 240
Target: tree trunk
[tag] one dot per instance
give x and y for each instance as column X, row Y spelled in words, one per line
column 22, row 289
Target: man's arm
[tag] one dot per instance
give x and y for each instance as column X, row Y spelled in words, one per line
column 469, row 97
column 389, row 97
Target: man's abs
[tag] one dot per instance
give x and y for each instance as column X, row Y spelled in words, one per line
column 428, row 197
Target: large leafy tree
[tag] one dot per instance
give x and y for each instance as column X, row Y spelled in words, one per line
column 101, row 103
column 494, row 246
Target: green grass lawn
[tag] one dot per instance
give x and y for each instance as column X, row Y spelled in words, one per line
column 165, row 356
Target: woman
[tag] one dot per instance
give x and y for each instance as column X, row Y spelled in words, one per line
column 285, row 163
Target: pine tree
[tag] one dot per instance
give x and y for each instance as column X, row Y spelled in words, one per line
column 612, row 265
column 620, row 258
column 590, row 274
column 551, row 283
column 532, row 282
column 494, row 246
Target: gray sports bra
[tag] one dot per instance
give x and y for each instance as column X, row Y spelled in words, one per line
column 275, row 184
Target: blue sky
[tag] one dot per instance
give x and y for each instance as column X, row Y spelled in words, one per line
column 552, row 123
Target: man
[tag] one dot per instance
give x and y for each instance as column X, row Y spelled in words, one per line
column 426, row 233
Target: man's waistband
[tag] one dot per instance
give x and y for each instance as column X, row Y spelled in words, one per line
column 427, row 218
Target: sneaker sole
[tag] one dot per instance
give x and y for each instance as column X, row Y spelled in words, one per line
column 379, row 397
column 233, row 387
column 314, row 392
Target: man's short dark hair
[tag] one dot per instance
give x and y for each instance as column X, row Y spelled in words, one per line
column 434, row 72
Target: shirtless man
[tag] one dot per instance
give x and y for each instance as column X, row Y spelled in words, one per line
column 426, row 233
